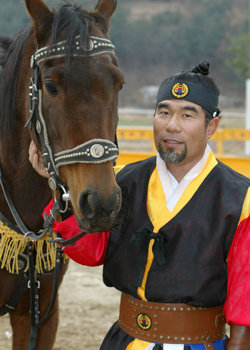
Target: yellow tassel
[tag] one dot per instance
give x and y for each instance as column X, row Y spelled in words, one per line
column 12, row 243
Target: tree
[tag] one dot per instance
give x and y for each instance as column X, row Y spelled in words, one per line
column 240, row 55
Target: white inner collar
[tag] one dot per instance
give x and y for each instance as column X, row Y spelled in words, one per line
column 172, row 189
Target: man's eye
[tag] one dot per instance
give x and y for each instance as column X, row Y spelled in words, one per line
column 163, row 112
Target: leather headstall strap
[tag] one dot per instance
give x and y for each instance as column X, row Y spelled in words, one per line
column 171, row 323
column 16, row 296
column 19, row 291
column 94, row 151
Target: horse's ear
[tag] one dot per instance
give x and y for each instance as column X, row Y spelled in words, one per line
column 106, row 8
column 41, row 17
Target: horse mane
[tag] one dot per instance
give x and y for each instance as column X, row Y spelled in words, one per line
column 4, row 45
column 12, row 51
column 68, row 18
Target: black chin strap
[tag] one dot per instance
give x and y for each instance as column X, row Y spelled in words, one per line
column 65, row 242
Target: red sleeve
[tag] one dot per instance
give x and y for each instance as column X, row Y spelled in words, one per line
column 237, row 305
column 90, row 249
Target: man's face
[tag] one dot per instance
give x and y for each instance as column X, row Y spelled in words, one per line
column 180, row 131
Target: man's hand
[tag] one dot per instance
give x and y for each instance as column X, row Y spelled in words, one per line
column 36, row 159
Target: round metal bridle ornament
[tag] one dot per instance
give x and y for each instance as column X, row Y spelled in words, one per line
column 97, row 151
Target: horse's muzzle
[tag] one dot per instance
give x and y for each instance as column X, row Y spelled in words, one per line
column 99, row 212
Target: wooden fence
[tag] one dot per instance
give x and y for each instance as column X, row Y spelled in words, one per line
column 239, row 161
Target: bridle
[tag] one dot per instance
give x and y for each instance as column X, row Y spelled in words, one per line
column 93, row 151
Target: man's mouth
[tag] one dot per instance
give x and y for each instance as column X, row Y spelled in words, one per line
column 172, row 142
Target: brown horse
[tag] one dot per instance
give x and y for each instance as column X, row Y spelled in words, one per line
column 72, row 113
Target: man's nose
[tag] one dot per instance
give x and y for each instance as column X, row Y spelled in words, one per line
column 173, row 124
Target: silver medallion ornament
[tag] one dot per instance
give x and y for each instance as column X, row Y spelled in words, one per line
column 97, row 151
column 38, row 127
column 52, row 183
column 93, row 151
column 91, row 45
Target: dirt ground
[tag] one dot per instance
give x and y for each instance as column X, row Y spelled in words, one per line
column 87, row 311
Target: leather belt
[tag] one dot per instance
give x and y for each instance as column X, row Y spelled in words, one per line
column 171, row 323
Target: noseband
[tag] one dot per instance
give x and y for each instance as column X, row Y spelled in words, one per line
column 94, row 151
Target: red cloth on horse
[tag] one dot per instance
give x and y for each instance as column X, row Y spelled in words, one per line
column 90, row 249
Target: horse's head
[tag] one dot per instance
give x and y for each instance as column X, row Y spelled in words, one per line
column 76, row 73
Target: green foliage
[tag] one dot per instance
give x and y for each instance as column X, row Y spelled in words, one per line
column 13, row 17
column 121, row 34
column 239, row 58
column 185, row 32
column 195, row 31
column 171, row 36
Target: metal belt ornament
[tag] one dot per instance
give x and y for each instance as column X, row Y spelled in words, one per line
column 144, row 321
column 93, row 151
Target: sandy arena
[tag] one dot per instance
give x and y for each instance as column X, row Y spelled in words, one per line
column 87, row 311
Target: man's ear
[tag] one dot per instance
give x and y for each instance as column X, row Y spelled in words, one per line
column 212, row 126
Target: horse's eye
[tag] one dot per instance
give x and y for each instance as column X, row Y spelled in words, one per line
column 51, row 88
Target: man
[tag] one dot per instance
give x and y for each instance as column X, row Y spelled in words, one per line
column 179, row 250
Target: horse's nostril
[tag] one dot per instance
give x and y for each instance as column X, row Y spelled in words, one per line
column 93, row 206
column 86, row 203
